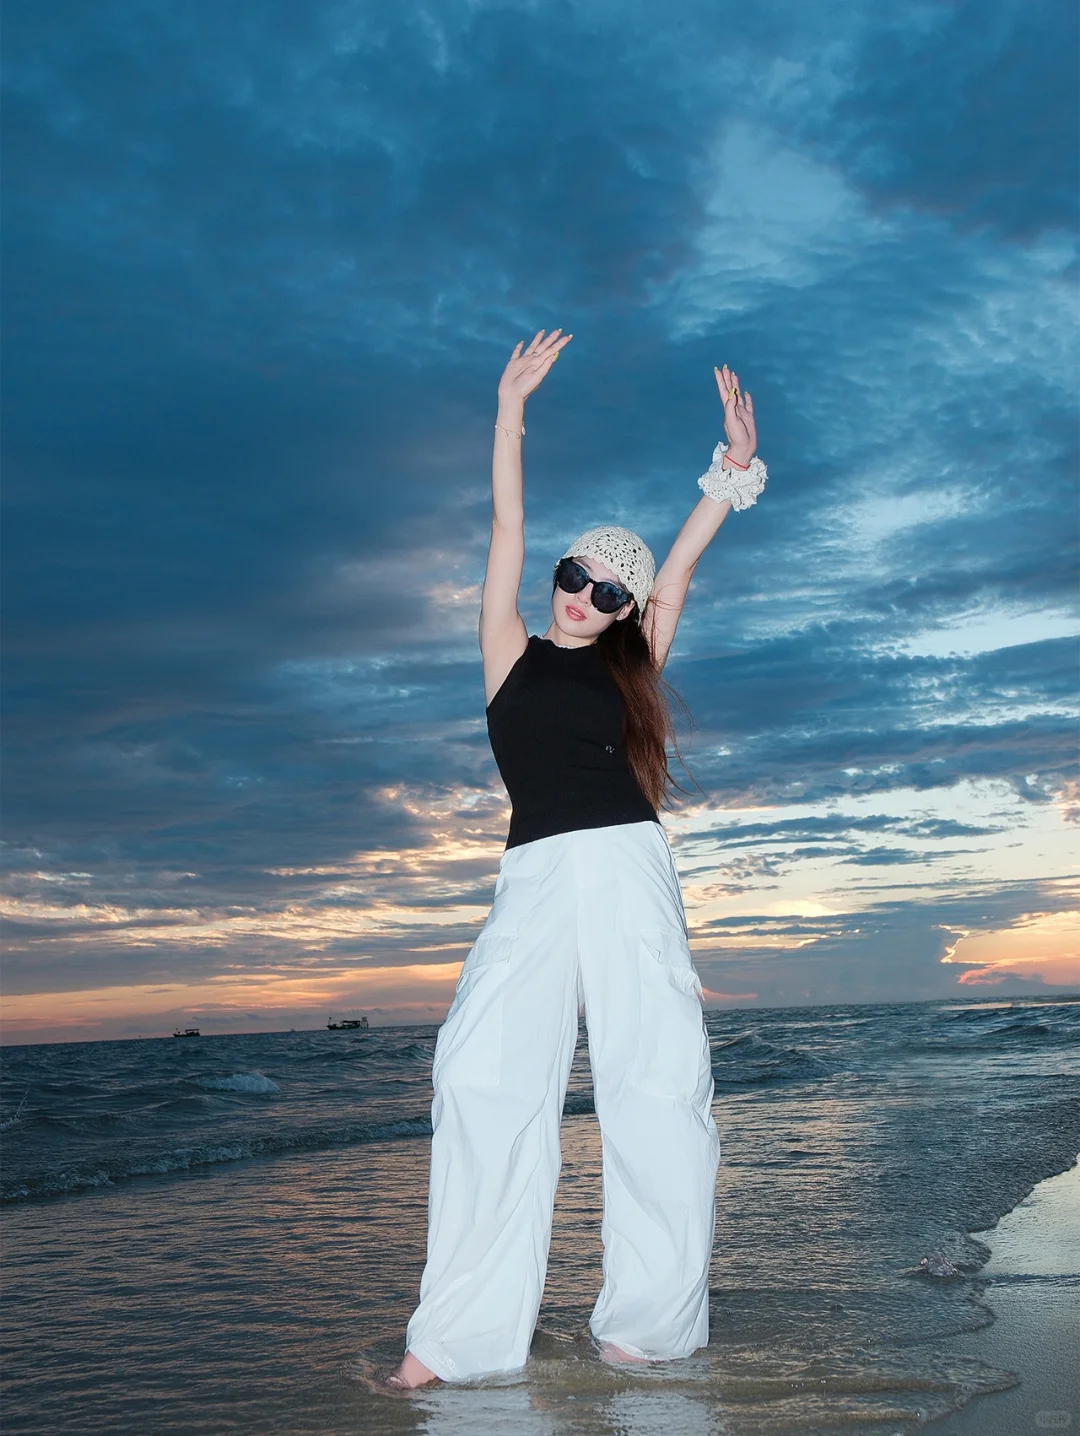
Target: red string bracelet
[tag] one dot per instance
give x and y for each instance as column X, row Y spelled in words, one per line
column 735, row 463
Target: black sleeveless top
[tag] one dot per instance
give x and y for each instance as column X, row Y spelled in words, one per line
column 555, row 727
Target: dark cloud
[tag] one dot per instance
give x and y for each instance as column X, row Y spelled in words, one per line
column 885, row 857
column 969, row 110
column 888, row 951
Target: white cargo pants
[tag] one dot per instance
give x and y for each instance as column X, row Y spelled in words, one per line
column 591, row 917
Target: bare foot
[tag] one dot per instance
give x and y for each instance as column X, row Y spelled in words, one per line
column 410, row 1374
column 609, row 1352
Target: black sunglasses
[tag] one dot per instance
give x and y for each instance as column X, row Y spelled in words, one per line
column 606, row 597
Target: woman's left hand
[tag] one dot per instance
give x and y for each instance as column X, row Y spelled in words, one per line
column 738, row 416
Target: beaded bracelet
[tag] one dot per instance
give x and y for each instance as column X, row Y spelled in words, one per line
column 511, row 433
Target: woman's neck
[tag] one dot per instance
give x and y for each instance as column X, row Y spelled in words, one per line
column 555, row 635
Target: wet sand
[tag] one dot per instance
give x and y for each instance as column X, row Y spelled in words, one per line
column 1033, row 1289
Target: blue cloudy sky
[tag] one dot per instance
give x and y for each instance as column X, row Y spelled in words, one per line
column 263, row 266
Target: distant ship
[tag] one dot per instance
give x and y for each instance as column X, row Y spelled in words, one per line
column 187, row 1032
column 347, row 1024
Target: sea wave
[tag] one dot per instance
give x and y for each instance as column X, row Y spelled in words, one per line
column 1024, row 1029
column 749, row 1060
column 1043, row 1019
column 578, row 1104
column 75, row 1178
column 14, row 1119
column 85, row 1123
column 240, row 1082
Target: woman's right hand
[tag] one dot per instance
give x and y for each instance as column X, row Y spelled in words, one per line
column 527, row 366
column 739, row 422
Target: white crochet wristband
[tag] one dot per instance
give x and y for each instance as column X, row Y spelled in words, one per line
column 740, row 486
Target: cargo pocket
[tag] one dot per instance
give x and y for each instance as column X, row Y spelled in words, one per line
column 673, row 1046
column 469, row 1045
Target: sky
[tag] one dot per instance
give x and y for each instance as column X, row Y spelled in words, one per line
column 263, row 265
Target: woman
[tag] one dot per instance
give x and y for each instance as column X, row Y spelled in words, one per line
column 587, row 917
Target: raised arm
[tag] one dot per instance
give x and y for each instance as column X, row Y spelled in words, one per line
column 673, row 577
column 502, row 633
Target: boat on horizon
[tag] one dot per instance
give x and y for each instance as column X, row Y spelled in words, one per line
column 187, row 1032
column 347, row 1024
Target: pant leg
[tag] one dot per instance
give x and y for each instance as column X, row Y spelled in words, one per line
column 502, row 1063
column 653, row 1086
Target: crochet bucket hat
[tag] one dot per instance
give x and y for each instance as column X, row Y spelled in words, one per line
column 627, row 555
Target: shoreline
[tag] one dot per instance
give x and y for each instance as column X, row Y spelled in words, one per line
column 1033, row 1290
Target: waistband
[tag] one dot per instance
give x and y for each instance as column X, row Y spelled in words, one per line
column 609, row 839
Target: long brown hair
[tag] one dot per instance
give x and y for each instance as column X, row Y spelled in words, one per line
column 647, row 725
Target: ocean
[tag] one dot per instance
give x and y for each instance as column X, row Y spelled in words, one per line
column 226, row 1233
